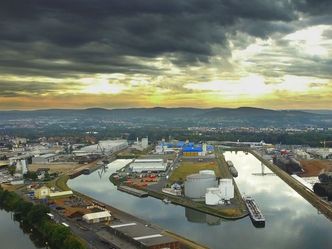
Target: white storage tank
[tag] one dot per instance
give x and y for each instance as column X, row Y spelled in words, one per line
column 212, row 196
column 207, row 172
column 226, row 188
column 196, row 184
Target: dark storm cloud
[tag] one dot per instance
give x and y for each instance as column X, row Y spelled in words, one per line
column 19, row 88
column 314, row 7
column 131, row 27
column 110, row 36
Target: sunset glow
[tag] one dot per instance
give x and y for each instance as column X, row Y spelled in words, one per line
column 129, row 58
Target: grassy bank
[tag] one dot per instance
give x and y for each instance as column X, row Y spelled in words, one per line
column 229, row 213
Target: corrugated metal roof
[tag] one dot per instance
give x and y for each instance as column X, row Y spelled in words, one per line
column 192, row 149
column 97, row 215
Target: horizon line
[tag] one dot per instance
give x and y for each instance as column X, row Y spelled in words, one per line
column 162, row 107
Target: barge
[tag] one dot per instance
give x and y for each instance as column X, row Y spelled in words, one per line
column 133, row 191
column 256, row 215
column 232, row 169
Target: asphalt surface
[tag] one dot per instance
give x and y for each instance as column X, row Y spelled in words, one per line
column 163, row 180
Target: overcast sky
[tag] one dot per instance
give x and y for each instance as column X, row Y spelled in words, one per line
column 143, row 53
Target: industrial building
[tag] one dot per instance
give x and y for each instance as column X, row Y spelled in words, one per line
column 164, row 149
column 148, row 165
column 45, row 192
column 190, row 149
column 106, row 146
column 145, row 142
column 143, row 236
column 47, row 158
column 21, row 166
column 141, row 145
column 196, row 184
column 97, row 217
column 42, row 192
column 119, row 163
column 15, row 159
column 61, row 194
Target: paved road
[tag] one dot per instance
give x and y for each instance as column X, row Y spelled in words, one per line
column 163, row 180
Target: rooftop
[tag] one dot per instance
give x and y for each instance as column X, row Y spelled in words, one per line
column 148, row 160
column 97, row 215
column 145, row 234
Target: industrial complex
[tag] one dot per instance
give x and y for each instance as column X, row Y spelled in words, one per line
column 194, row 175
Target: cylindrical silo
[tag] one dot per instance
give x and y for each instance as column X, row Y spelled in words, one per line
column 226, row 188
column 207, row 172
column 196, row 184
column 212, row 196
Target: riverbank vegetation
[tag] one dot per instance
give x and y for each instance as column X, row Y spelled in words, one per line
column 35, row 216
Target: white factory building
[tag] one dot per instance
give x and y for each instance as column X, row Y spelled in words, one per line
column 105, row 146
column 141, row 145
column 47, row 158
column 148, row 165
column 97, row 217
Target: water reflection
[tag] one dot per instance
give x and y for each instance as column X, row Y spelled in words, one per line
column 291, row 222
column 195, row 216
column 14, row 234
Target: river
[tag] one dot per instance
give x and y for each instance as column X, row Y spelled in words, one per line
column 12, row 235
column 291, row 222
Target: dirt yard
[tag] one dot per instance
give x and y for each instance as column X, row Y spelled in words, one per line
column 315, row 167
column 60, row 168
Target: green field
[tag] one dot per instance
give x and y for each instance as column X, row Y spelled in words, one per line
column 187, row 168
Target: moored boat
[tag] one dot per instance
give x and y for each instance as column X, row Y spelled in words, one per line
column 166, row 201
column 255, row 213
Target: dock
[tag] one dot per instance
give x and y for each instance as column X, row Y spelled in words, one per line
column 85, row 169
column 133, row 191
column 323, row 206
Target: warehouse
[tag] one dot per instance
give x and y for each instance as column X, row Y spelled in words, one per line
column 198, row 150
column 143, row 236
column 106, row 146
column 42, row 192
column 192, row 151
column 61, row 194
column 47, row 158
column 148, row 165
column 97, row 217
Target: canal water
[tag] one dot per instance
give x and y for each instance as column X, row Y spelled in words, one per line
column 291, row 222
column 12, row 235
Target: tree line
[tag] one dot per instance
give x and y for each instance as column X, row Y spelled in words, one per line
column 35, row 215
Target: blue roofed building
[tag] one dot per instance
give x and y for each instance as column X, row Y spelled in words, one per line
column 180, row 144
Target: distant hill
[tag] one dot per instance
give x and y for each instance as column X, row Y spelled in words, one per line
column 243, row 116
column 327, row 112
